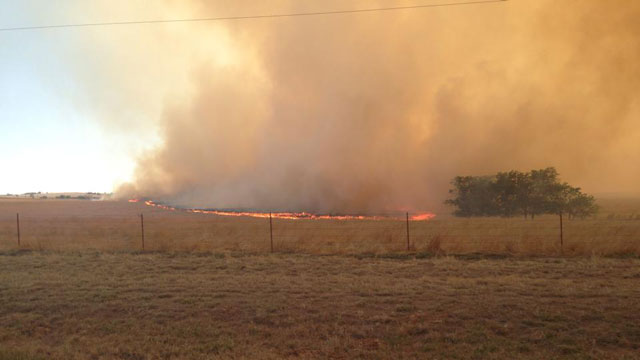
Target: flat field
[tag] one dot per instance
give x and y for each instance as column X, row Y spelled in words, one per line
column 78, row 286
column 112, row 225
column 109, row 305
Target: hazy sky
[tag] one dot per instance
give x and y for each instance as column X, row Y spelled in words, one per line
column 79, row 106
column 50, row 139
column 329, row 113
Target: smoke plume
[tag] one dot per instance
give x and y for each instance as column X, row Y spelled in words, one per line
column 378, row 111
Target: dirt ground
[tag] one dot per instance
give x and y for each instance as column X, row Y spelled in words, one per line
column 164, row 305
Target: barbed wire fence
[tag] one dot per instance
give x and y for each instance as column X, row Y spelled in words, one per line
column 159, row 231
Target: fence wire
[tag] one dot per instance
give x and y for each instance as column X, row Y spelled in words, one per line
column 165, row 230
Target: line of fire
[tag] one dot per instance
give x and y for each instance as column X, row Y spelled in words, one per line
column 420, row 216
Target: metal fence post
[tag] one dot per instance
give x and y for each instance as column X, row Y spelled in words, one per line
column 18, row 226
column 271, row 231
column 142, row 227
column 561, row 236
column 408, row 243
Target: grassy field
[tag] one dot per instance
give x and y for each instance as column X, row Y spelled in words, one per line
column 126, row 305
column 115, row 226
column 78, row 286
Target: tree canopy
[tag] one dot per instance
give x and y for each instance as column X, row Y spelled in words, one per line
column 516, row 193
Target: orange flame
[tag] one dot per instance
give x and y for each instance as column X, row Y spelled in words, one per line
column 285, row 215
column 422, row 217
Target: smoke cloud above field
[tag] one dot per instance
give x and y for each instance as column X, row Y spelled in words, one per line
column 378, row 111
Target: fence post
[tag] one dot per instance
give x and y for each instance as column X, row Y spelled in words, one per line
column 142, row 227
column 18, row 226
column 561, row 236
column 408, row 244
column 271, row 231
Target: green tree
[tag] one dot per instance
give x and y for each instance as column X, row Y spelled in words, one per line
column 515, row 193
column 566, row 199
column 524, row 184
column 543, row 185
column 505, row 190
column 557, row 198
column 580, row 205
column 473, row 196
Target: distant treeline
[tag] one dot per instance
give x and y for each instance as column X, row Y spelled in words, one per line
column 41, row 195
column 516, row 193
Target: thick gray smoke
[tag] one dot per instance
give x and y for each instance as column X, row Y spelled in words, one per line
column 378, row 111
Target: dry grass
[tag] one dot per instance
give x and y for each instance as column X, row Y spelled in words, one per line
column 96, row 305
column 109, row 225
column 207, row 288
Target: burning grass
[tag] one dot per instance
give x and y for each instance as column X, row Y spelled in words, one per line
column 206, row 286
column 422, row 216
column 115, row 226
